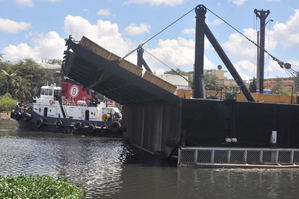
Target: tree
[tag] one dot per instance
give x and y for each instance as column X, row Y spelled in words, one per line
column 21, row 88
column 23, row 79
column 34, row 75
column 9, row 79
column 7, row 102
column 278, row 86
column 252, row 85
column 211, row 81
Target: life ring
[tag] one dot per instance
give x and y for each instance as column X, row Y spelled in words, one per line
column 105, row 117
column 51, row 101
column 39, row 123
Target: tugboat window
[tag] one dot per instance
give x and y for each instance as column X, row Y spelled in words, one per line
column 42, row 92
column 50, row 92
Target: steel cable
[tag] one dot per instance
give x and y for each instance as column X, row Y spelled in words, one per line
column 155, row 35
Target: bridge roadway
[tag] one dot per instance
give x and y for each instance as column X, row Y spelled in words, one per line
column 159, row 122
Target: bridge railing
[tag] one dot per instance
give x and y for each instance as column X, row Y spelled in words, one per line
column 220, row 156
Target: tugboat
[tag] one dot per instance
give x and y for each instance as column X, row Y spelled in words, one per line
column 69, row 109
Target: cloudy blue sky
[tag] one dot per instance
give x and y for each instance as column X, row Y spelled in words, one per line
column 37, row 28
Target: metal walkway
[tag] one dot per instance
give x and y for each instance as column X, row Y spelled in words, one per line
column 108, row 74
column 238, row 157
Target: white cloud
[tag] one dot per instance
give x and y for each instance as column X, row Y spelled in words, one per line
column 133, row 29
column 51, row 45
column 104, row 12
column 28, row 3
column 294, row 63
column 188, row 31
column 246, row 69
column 239, row 46
column 18, row 52
column 157, row 2
column 287, row 34
column 237, row 2
column 54, row 1
column 103, row 33
column 177, row 53
column 48, row 45
column 217, row 21
column 274, row 70
column 10, row 26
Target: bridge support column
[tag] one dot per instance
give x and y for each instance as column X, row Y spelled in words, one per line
column 198, row 74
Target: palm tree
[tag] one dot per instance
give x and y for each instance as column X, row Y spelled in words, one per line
column 21, row 89
column 10, row 79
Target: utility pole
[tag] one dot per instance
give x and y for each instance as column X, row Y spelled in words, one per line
column 262, row 15
column 257, row 85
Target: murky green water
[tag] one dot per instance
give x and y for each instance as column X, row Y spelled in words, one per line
column 108, row 168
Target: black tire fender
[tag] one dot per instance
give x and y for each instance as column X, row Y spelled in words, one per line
column 77, row 126
column 115, row 125
column 39, row 123
column 59, row 124
column 91, row 128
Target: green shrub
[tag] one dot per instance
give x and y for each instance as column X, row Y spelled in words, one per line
column 35, row 186
column 7, row 103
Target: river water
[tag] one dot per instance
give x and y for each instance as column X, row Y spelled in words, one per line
column 109, row 168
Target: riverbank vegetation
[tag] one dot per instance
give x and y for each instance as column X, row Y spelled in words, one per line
column 7, row 103
column 29, row 186
column 22, row 80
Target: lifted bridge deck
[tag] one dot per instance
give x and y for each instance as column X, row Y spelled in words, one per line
column 116, row 78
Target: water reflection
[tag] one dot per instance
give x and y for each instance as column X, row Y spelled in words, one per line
column 238, row 183
column 108, row 168
column 94, row 163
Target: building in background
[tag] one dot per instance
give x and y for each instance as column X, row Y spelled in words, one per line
column 286, row 83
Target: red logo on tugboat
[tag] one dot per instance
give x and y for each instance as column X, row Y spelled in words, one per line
column 74, row 91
